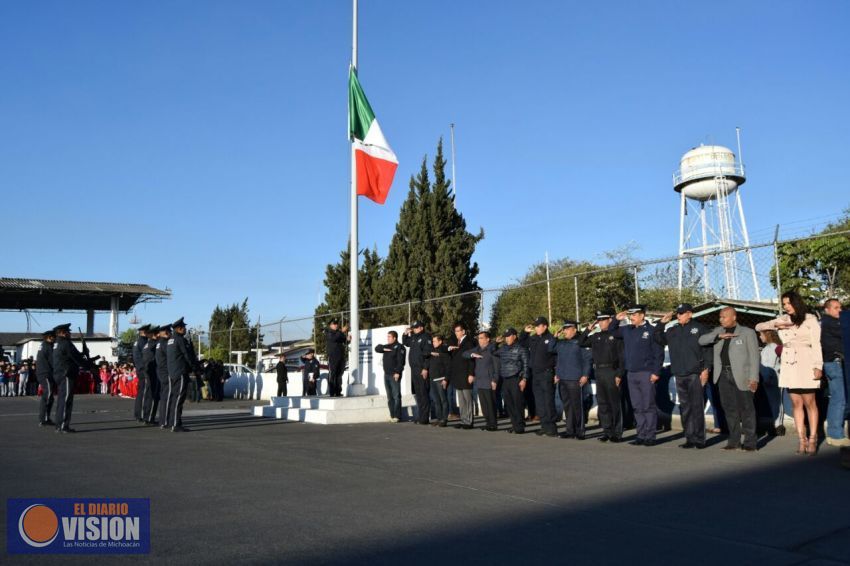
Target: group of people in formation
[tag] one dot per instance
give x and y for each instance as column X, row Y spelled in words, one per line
column 624, row 353
column 164, row 359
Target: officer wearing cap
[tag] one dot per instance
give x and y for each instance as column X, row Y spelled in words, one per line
column 572, row 371
column 150, row 401
column 44, row 374
column 607, row 355
column 644, row 357
column 310, row 373
column 181, row 361
column 161, row 359
column 282, row 375
column 335, row 341
column 542, row 362
column 513, row 371
column 418, row 344
column 689, row 364
column 141, row 380
column 67, row 361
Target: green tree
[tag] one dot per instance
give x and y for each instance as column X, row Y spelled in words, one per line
column 817, row 268
column 244, row 333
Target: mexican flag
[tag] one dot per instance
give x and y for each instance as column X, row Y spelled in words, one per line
column 375, row 161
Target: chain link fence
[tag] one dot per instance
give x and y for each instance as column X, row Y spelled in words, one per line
column 751, row 273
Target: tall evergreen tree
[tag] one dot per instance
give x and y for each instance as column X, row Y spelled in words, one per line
column 244, row 335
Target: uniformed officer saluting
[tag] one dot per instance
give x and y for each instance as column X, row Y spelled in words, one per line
column 542, row 363
column 393, row 363
column 181, row 362
column 161, row 358
column 607, row 354
column 689, row 364
column 418, row 343
column 44, row 373
column 141, row 381
column 67, row 361
column 644, row 358
column 335, row 340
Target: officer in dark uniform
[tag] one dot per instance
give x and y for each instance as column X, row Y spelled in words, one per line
column 44, row 373
column 393, row 363
column 513, row 370
column 335, row 341
column 139, row 364
column 542, row 362
column 161, row 358
column 607, row 355
column 181, row 361
column 67, row 361
column 150, row 402
column 418, row 344
column 643, row 360
column 282, row 376
column 310, row 373
column 689, row 363
column 572, row 373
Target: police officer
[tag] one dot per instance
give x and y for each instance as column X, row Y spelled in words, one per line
column 282, row 376
column 67, row 361
column 418, row 343
column 181, row 362
column 44, row 373
column 542, row 362
column 572, row 373
column 310, row 373
column 513, row 369
column 644, row 357
column 161, row 359
column 607, row 355
column 150, row 402
column 393, row 364
column 335, row 341
column 141, row 380
column 689, row 363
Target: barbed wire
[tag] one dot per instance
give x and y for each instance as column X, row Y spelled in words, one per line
column 712, row 256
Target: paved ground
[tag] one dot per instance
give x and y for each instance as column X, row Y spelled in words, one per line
column 243, row 490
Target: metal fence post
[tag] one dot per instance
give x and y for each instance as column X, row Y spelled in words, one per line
column 637, row 289
column 575, row 286
column 778, row 276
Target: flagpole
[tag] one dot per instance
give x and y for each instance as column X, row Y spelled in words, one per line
column 354, row 347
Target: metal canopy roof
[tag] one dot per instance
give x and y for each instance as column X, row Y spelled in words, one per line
column 54, row 295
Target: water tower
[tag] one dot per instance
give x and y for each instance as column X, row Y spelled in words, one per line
column 713, row 240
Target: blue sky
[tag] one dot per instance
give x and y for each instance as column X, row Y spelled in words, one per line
column 201, row 145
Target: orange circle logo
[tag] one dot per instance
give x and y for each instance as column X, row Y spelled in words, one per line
column 38, row 525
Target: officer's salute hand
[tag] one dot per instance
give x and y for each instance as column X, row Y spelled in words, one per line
column 344, row 328
column 622, row 315
column 477, row 356
column 667, row 317
column 529, row 328
column 500, row 339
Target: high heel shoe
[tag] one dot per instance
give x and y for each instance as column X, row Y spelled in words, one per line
column 803, row 448
column 812, row 448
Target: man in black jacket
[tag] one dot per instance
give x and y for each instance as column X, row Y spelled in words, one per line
column 513, row 369
column 181, row 362
column 282, row 376
column 393, row 363
column 439, row 367
column 44, row 373
column 161, row 358
column 335, row 341
column 542, row 363
column 141, row 340
column 689, row 363
column 462, row 375
column 607, row 354
column 150, row 402
column 418, row 344
column 67, row 361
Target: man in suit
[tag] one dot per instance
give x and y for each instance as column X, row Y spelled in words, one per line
column 462, row 374
column 736, row 372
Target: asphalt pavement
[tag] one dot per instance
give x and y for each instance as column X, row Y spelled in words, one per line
column 245, row 490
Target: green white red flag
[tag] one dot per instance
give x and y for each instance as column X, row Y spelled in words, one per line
column 375, row 161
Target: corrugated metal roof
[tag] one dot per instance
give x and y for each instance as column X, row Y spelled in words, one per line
column 54, row 285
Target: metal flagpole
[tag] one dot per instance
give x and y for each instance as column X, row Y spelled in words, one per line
column 354, row 348
column 454, row 175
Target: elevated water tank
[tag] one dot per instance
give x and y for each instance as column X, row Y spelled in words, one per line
column 706, row 169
